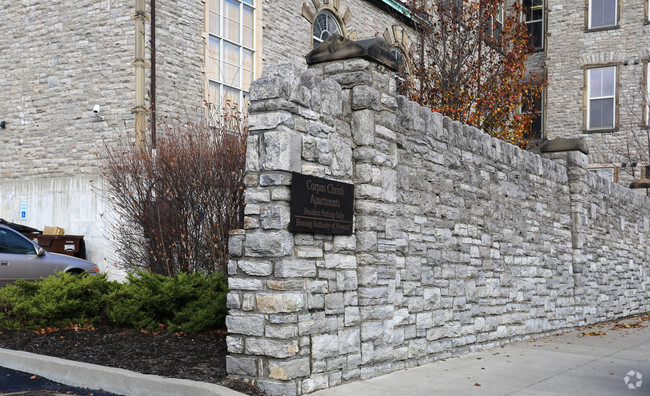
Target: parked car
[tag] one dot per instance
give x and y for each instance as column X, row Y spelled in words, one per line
column 20, row 258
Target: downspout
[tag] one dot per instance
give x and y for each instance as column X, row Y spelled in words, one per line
column 153, row 74
column 140, row 64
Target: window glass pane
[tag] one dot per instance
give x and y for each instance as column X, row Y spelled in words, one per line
column 605, row 173
column 247, row 40
column 13, row 244
column 324, row 26
column 213, row 99
column 595, row 83
column 603, row 13
column 231, row 64
column 231, row 24
column 601, row 113
column 213, row 58
column 231, row 96
column 213, row 17
column 247, row 66
column 609, row 79
column 535, row 31
column 249, row 2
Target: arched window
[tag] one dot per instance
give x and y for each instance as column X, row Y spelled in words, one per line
column 398, row 56
column 325, row 25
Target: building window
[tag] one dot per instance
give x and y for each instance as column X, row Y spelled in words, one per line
column 602, row 13
column 601, row 98
column 610, row 174
column 325, row 25
column 534, row 17
column 537, row 107
column 498, row 19
column 230, row 65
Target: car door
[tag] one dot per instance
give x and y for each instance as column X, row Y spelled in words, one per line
column 18, row 258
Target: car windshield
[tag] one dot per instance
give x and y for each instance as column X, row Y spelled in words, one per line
column 10, row 242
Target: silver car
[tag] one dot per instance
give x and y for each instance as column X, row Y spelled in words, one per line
column 21, row 258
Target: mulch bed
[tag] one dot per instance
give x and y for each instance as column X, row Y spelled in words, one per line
column 198, row 358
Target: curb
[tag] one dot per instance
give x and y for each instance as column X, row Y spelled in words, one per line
column 109, row 379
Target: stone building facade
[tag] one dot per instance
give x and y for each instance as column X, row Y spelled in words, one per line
column 460, row 242
column 59, row 60
column 589, row 41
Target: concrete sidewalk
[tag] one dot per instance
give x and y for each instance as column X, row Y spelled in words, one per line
column 114, row 380
column 568, row 364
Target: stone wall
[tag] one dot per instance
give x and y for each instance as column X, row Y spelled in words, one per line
column 461, row 241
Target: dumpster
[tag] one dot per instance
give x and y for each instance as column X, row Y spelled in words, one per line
column 72, row 245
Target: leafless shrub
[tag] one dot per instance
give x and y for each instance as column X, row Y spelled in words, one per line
column 175, row 205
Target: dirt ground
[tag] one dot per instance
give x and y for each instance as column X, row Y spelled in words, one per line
column 198, row 358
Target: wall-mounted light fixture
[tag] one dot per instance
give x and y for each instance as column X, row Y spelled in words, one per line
column 3, row 124
column 97, row 110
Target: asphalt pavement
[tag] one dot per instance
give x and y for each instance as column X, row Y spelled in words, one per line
column 16, row 383
column 598, row 360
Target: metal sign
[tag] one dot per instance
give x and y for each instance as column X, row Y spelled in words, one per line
column 22, row 214
column 321, row 206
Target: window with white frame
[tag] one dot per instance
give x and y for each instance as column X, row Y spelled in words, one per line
column 231, row 51
column 601, row 98
column 325, row 25
column 610, row 174
column 602, row 13
column 534, row 16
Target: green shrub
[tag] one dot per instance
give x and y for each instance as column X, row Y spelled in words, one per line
column 55, row 301
column 191, row 303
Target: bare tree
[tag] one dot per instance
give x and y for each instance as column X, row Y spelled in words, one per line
column 175, row 205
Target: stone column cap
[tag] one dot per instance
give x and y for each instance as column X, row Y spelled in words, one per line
column 641, row 183
column 337, row 47
column 564, row 144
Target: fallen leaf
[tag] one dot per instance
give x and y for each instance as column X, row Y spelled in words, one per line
column 32, row 377
column 594, row 333
column 477, row 384
column 469, row 377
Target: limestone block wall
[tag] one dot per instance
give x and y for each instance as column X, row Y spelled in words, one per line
column 460, row 242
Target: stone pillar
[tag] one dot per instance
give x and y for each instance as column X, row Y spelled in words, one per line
column 308, row 311
column 573, row 154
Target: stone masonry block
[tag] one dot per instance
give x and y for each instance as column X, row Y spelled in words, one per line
column 349, row 341
column 324, row 346
column 274, row 388
column 274, row 217
column 255, row 268
column 365, row 97
column 249, row 324
column 269, row 88
column 295, row 268
column 271, row 120
column 288, row 369
column 241, row 366
column 279, row 302
column 340, row 261
column 363, row 127
column 268, row 243
column 271, row 348
column 281, row 151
